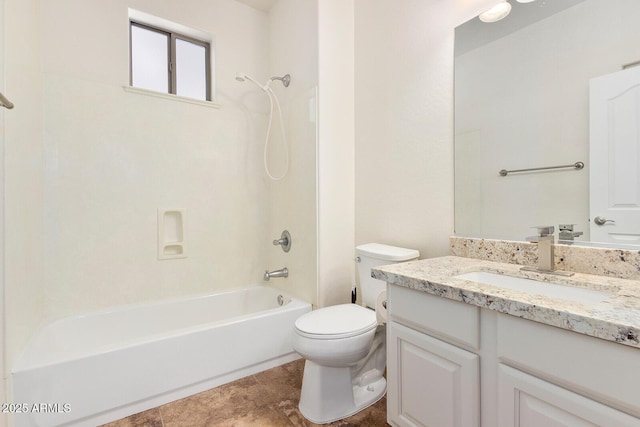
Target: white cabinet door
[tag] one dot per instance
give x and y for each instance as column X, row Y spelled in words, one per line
column 528, row 401
column 431, row 383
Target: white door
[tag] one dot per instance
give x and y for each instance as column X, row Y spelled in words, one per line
column 614, row 179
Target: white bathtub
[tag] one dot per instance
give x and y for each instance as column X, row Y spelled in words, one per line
column 92, row 369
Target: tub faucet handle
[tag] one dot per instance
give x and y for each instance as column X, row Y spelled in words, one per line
column 284, row 241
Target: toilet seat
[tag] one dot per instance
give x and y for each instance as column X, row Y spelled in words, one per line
column 336, row 322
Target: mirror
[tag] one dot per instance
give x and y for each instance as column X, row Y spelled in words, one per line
column 522, row 101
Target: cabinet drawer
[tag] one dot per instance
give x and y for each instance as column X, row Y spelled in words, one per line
column 528, row 401
column 603, row 370
column 454, row 321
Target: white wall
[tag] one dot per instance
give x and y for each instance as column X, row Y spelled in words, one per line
column 3, row 370
column 3, row 381
column 336, row 162
column 23, row 176
column 379, row 179
column 293, row 49
column 113, row 158
column 404, row 123
column 532, row 109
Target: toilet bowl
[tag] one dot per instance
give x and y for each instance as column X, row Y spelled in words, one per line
column 336, row 358
column 345, row 346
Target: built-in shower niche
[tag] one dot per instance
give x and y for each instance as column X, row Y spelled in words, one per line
column 171, row 236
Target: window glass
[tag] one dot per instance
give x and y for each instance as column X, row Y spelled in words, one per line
column 191, row 70
column 149, row 59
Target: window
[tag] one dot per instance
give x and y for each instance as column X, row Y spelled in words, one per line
column 170, row 62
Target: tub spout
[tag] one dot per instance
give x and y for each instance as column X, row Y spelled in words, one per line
column 276, row 273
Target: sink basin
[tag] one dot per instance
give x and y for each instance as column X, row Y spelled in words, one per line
column 569, row 293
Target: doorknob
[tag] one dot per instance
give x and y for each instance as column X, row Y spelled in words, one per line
column 601, row 221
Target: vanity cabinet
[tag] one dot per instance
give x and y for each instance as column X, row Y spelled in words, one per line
column 454, row 364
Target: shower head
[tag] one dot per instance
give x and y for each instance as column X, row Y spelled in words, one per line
column 286, row 79
column 240, row 76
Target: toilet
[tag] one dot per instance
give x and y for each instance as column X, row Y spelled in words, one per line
column 345, row 345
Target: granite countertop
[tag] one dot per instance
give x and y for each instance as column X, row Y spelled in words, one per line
column 616, row 319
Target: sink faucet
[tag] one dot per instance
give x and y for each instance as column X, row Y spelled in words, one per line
column 567, row 234
column 546, row 260
column 545, row 241
column 276, row 273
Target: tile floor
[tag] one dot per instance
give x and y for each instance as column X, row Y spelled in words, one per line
column 266, row 399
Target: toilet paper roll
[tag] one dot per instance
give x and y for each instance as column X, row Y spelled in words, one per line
column 381, row 309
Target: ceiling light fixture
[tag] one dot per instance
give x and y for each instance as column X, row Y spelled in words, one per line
column 525, row 1
column 496, row 13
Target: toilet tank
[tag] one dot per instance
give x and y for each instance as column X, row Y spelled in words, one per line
column 373, row 255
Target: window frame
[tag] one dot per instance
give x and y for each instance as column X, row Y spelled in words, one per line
column 172, row 66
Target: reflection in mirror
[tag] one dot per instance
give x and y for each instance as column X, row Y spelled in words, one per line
column 522, row 101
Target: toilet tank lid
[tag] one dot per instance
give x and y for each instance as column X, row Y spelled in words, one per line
column 386, row 252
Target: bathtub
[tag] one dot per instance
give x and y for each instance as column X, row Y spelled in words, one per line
column 91, row 369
